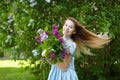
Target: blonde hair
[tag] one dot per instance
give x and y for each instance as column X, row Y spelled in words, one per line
column 84, row 37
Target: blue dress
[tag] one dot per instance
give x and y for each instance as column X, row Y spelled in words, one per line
column 70, row 74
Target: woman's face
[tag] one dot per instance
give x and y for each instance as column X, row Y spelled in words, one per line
column 68, row 28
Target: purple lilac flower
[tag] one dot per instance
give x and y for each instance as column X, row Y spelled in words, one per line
column 55, row 32
column 54, row 26
column 52, row 55
column 61, row 39
column 39, row 39
column 46, row 33
column 63, row 53
column 43, row 36
column 58, row 35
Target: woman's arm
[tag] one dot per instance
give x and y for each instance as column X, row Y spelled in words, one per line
column 64, row 65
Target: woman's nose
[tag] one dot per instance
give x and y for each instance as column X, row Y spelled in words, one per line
column 67, row 27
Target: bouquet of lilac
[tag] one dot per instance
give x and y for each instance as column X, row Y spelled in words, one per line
column 52, row 44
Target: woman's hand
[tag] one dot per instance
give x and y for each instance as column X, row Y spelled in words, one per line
column 64, row 65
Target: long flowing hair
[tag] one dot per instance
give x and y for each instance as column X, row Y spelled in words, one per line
column 84, row 37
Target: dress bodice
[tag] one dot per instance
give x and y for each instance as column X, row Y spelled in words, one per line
column 72, row 49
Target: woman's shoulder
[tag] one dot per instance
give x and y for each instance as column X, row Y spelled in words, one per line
column 72, row 46
column 72, row 42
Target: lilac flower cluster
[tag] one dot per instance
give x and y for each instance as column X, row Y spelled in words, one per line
column 55, row 45
column 52, row 55
column 43, row 36
column 57, row 34
column 64, row 53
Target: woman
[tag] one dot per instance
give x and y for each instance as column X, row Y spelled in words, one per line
column 76, row 37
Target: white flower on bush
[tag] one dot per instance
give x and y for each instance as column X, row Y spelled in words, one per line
column 10, row 21
column 25, row 10
column 21, row 0
column 104, row 35
column 3, row 27
column 94, row 6
column 33, row 3
column 40, row 31
column 15, row 24
column 47, row 1
column 52, row 50
column 8, row 38
column 11, row 30
column 20, row 32
column 44, row 52
column 31, row 20
column 35, row 52
column 100, row 34
column 44, row 36
column 10, row 18
column 22, row 55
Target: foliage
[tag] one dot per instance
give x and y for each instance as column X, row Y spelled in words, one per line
column 20, row 20
column 1, row 54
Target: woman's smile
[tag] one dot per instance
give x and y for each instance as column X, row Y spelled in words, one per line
column 66, row 31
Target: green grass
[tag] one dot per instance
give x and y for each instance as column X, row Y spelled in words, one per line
column 10, row 70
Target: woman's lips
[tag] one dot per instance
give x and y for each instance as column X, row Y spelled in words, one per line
column 66, row 31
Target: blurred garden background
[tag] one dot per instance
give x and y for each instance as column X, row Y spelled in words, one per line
column 20, row 53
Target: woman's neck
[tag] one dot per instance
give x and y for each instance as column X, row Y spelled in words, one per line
column 66, row 36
